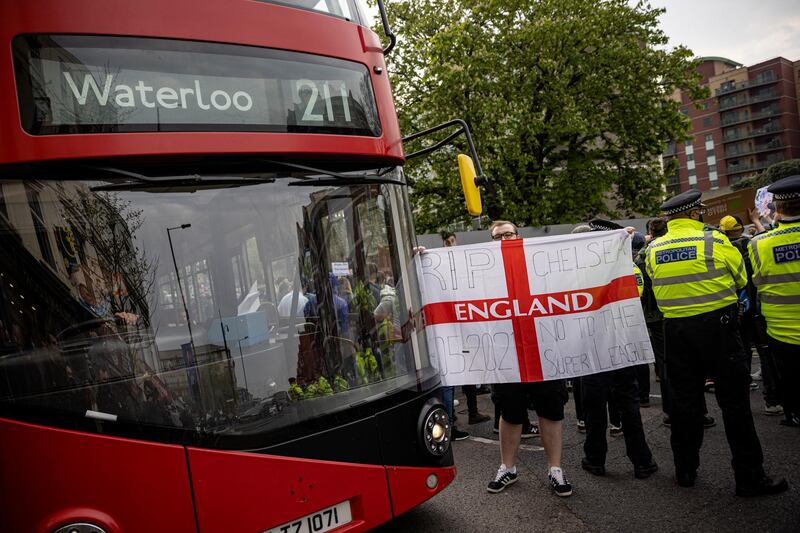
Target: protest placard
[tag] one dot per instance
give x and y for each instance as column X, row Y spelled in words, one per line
column 533, row 309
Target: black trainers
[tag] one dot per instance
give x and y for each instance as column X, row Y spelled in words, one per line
column 708, row 421
column 597, row 470
column 503, row 479
column 764, row 487
column 615, row 431
column 645, row 471
column 791, row 420
column 530, row 431
column 458, row 434
column 559, row 482
column 667, row 421
column 477, row 418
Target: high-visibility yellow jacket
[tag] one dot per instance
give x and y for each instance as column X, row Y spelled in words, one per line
column 775, row 256
column 639, row 279
column 694, row 271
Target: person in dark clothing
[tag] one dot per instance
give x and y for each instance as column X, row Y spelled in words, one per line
column 470, row 391
column 619, row 388
column 753, row 327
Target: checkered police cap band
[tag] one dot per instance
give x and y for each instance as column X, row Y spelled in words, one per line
column 685, row 207
column 598, row 226
column 786, row 195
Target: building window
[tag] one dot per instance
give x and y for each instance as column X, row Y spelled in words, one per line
column 690, row 157
column 39, row 226
column 712, row 168
column 709, row 137
column 712, row 178
column 707, row 121
column 767, row 75
column 705, row 105
column 688, row 144
column 712, row 159
column 692, row 179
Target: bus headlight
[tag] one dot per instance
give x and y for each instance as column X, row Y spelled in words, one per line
column 436, row 429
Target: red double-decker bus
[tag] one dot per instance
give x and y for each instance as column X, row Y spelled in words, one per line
column 208, row 319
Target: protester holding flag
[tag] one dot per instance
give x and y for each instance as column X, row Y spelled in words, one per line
column 696, row 275
column 547, row 398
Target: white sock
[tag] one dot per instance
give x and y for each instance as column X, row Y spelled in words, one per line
column 513, row 469
column 555, row 469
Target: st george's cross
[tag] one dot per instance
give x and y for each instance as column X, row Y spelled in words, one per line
column 533, row 309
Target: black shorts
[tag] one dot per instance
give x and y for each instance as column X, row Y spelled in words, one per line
column 547, row 398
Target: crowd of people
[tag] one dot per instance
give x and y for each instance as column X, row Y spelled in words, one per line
column 711, row 297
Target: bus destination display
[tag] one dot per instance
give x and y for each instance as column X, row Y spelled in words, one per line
column 92, row 84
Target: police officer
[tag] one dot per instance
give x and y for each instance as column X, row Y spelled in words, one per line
column 621, row 389
column 696, row 275
column 775, row 257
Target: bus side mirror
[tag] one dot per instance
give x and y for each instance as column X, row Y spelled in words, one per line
column 472, row 195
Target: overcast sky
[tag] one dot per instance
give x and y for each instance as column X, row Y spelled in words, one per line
column 747, row 31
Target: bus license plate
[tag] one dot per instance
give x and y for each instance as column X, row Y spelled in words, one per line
column 319, row 522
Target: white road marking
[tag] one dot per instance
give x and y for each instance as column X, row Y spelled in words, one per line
column 525, row 447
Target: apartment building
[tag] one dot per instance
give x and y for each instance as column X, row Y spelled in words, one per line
column 750, row 121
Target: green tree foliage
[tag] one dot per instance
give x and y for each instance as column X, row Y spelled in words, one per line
column 772, row 174
column 567, row 100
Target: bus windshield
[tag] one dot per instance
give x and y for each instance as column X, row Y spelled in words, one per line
column 234, row 309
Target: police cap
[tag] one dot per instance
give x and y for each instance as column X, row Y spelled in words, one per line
column 682, row 202
column 598, row 224
column 786, row 189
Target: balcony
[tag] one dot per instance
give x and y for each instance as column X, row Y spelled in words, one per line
column 774, row 144
column 755, row 82
column 741, row 118
column 730, row 104
column 752, row 167
column 738, row 135
column 740, row 102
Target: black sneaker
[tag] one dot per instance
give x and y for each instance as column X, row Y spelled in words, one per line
column 559, row 482
column 615, row 431
column 477, row 418
column 530, row 431
column 645, row 471
column 764, row 487
column 708, row 421
column 597, row 470
column 503, row 479
column 458, row 434
column 791, row 420
column 667, row 421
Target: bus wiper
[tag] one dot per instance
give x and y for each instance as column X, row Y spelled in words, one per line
column 366, row 179
column 182, row 183
column 329, row 177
